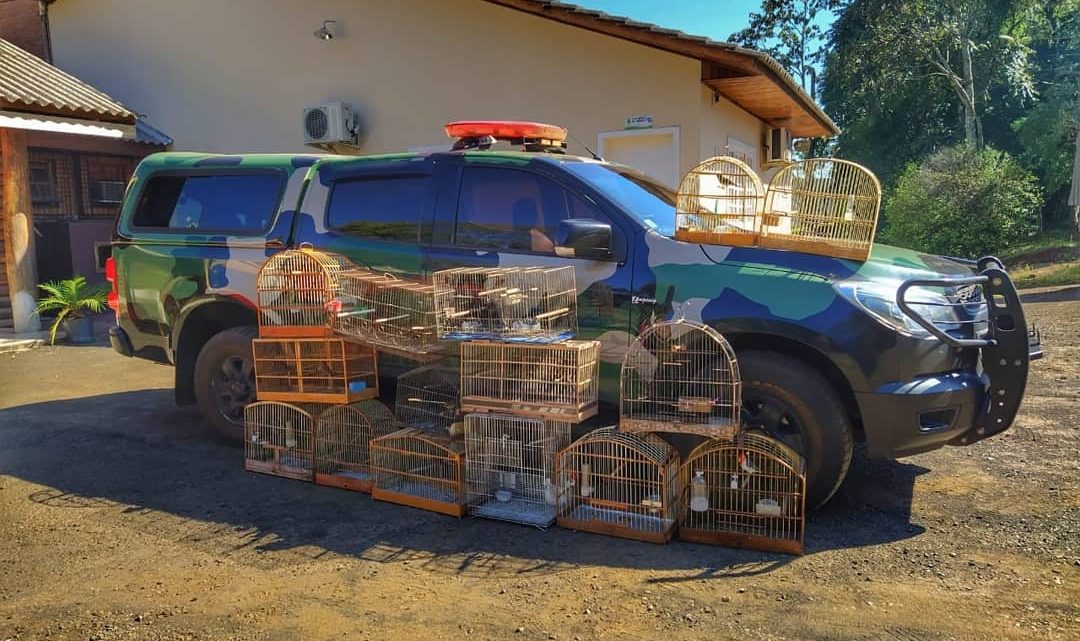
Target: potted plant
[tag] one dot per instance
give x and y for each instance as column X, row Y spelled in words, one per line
column 71, row 300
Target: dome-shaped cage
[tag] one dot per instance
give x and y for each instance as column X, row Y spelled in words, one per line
column 295, row 288
column 822, row 206
column 278, row 438
column 618, row 484
column 428, row 397
column 748, row 492
column 419, row 469
column 343, row 436
column 680, row 376
column 719, row 203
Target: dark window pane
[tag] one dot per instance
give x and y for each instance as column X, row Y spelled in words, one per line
column 387, row 207
column 506, row 208
column 239, row 202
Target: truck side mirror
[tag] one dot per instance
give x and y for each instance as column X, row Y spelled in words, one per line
column 583, row 238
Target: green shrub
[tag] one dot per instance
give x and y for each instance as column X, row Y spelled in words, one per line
column 963, row 202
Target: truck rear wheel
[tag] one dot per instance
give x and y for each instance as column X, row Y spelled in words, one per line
column 787, row 399
column 225, row 380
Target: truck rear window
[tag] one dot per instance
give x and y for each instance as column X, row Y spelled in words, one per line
column 219, row 202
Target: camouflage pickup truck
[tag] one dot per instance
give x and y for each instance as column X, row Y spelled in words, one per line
column 906, row 352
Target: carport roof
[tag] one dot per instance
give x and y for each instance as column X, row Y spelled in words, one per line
column 751, row 79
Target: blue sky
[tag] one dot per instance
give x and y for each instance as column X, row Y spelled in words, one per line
column 716, row 19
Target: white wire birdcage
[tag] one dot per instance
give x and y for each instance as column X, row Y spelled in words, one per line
column 618, row 484
column 428, row 397
column 343, row 436
column 353, row 310
column 393, row 314
column 294, row 288
column 314, row 370
column 558, row 381
column 278, row 438
column 421, row 470
column 719, row 203
column 822, row 206
column 510, row 463
column 680, row 376
column 747, row 493
column 519, row 304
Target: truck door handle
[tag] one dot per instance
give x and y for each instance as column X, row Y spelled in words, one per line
column 275, row 243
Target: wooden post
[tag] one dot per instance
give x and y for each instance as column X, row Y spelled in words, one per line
column 18, row 230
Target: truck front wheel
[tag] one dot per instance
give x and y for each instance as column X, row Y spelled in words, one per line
column 787, row 399
column 225, row 380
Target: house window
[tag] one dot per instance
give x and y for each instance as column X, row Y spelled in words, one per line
column 107, row 192
column 43, row 183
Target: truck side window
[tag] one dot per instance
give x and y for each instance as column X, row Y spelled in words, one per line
column 507, row 208
column 384, row 207
column 224, row 202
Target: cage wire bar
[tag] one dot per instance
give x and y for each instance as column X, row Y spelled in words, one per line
column 293, row 289
column 518, row 304
column 343, row 436
column 558, row 381
column 719, row 202
column 314, row 370
column 428, row 397
column 278, row 438
column 353, row 311
column 421, row 470
column 747, row 493
column 510, row 463
column 390, row 313
column 619, row 484
column 822, row 206
column 680, row 376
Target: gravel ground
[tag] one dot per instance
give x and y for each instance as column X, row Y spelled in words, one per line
column 121, row 517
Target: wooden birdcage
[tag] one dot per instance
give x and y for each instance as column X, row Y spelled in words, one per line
column 428, row 397
column 748, row 493
column 294, row 288
column 519, row 304
column 343, row 436
column 557, row 382
column 822, row 206
column 680, row 376
column 510, row 467
column 619, row 484
column 419, row 469
column 278, row 438
column 719, row 203
column 392, row 314
column 314, row 370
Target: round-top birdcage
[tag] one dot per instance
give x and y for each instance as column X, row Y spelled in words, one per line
column 822, row 206
column 420, row 469
column 278, row 438
column 619, row 484
column 428, row 397
column 296, row 288
column 747, row 492
column 680, row 376
column 343, row 435
column 719, row 203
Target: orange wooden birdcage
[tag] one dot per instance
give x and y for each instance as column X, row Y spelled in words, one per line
column 419, row 469
column 314, row 370
column 294, row 289
column 343, row 436
column 278, row 438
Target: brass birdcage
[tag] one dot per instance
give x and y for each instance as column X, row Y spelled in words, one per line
column 719, row 203
column 421, row 470
column 822, row 206
column 510, row 467
column 278, row 438
column 680, row 376
column 314, row 370
column 558, row 381
column 294, row 288
column 519, row 304
column 428, row 397
column 343, row 436
column 619, row 484
column 748, row 493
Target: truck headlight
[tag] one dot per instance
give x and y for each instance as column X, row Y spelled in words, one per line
column 879, row 300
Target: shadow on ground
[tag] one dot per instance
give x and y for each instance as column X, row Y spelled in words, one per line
column 136, row 460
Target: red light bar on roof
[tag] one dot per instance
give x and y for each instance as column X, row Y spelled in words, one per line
column 505, row 130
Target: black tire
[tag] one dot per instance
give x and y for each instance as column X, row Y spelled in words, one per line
column 788, row 400
column 225, row 380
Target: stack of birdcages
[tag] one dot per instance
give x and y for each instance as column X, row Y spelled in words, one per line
column 524, row 381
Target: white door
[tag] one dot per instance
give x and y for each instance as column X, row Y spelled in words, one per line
column 653, row 151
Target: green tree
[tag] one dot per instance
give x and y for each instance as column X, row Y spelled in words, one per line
column 791, row 32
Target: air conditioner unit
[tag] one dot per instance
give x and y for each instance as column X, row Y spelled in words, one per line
column 330, row 122
column 777, row 146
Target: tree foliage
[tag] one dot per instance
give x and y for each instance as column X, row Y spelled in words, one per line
column 791, row 32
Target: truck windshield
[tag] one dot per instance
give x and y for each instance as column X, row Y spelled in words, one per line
column 640, row 196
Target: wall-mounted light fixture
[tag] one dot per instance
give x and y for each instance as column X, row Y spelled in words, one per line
column 324, row 32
